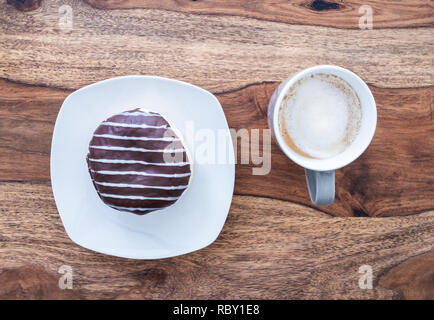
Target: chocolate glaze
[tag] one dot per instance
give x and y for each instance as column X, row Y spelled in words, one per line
column 145, row 178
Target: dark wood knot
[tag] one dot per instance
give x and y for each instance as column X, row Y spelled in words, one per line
column 25, row 5
column 321, row 5
column 360, row 213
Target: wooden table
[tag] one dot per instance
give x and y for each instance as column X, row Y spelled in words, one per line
column 275, row 244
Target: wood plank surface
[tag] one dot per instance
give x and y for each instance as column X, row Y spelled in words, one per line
column 268, row 249
column 219, row 53
column 413, row 279
column 341, row 14
column 275, row 243
column 374, row 185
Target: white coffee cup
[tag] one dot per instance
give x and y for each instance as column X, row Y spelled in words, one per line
column 320, row 173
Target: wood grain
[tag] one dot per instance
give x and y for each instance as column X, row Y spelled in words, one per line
column 275, row 245
column 342, row 14
column 219, row 53
column 413, row 279
column 400, row 183
column 27, row 117
column 30, row 282
column 268, row 249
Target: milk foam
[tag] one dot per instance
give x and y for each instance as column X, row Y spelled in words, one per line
column 321, row 115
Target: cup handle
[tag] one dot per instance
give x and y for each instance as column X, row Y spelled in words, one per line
column 321, row 185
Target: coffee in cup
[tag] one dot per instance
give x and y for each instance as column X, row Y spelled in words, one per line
column 320, row 116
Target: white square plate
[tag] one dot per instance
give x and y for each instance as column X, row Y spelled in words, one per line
column 192, row 223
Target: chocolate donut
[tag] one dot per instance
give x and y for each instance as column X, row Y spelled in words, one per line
column 137, row 162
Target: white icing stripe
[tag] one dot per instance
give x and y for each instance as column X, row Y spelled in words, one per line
column 172, row 175
column 107, row 195
column 111, row 136
column 136, row 149
column 139, row 186
column 172, row 164
column 140, row 113
column 133, row 125
column 133, row 209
